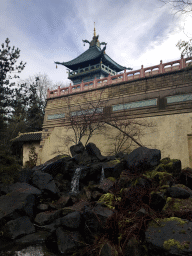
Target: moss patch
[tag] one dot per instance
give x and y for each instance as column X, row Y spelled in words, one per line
column 112, row 179
column 160, row 221
column 108, row 200
column 172, row 242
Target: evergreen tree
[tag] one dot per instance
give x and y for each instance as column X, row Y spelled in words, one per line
column 36, row 109
column 8, row 59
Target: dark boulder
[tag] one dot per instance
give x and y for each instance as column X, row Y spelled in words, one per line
column 16, row 202
column 35, row 238
column 18, row 227
column 175, row 192
column 44, row 181
column 67, row 241
column 21, row 187
column 25, row 175
column 71, row 220
column 77, row 149
column 94, row 220
column 142, row 158
column 92, row 150
column 47, row 217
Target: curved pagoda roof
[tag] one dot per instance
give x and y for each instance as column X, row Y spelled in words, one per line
column 92, row 56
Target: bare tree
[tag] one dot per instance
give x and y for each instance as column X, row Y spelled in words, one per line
column 86, row 120
column 43, row 83
column 182, row 6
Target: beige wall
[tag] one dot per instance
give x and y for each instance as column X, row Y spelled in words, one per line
column 171, row 122
column 169, row 134
column 26, row 149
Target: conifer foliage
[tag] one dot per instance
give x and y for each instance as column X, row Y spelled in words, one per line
column 8, row 59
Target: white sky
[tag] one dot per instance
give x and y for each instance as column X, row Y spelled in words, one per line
column 137, row 32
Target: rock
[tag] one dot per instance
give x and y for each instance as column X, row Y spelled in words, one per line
column 176, row 192
column 107, row 250
column 22, row 187
column 158, row 201
column 44, row 181
column 71, row 220
column 17, row 227
column 42, row 207
column 133, row 248
column 129, row 199
column 63, row 201
column 76, row 149
column 47, row 217
column 67, row 241
column 142, row 158
column 94, row 220
column 57, row 167
column 114, row 168
column 186, row 177
column 82, row 158
column 92, row 150
column 171, row 236
column 106, row 185
column 25, row 175
column 15, row 202
column 35, row 238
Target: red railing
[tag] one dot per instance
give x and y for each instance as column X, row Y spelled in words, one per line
column 126, row 76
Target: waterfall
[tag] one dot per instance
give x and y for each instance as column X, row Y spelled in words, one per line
column 102, row 175
column 75, row 181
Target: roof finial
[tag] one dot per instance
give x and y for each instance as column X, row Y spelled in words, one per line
column 94, row 30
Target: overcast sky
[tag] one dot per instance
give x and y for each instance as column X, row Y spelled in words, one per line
column 138, row 32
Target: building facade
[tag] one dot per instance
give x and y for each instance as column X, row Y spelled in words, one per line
column 159, row 97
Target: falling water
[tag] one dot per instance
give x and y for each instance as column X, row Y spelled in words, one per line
column 102, row 175
column 75, row 181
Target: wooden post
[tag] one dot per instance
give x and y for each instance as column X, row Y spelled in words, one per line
column 142, row 72
column 109, row 81
column 125, row 75
column 182, row 62
column 95, row 83
column 161, row 69
column 48, row 94
column 82, row 86
column 70, row 89
column 59, row 91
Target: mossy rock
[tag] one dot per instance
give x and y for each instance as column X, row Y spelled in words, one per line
column 175, row 204
column 165, row 160
column 172, row 242
column 107, row 199
column 112, row 179
column 159, row 177
column 113, row 162
column 162, row 222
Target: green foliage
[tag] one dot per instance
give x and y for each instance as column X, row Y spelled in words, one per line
column 8, row 58
column 36, row 108
column 9, row 168
column 32, row 157
column 185, row 47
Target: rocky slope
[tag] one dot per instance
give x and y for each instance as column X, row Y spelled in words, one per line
column 142, row 206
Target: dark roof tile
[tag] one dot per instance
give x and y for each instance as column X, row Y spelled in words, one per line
column 36, row 136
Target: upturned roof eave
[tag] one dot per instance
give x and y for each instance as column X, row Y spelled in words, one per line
column 86, row 57
column 115, row 65
column 83, row 58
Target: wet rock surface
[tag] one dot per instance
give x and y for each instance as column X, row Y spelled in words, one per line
column 141, row 206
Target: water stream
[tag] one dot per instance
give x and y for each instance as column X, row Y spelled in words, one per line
column 102, row 175
column 75, row 181
column 33, row 250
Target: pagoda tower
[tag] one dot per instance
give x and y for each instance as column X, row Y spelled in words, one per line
column 91, row 64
